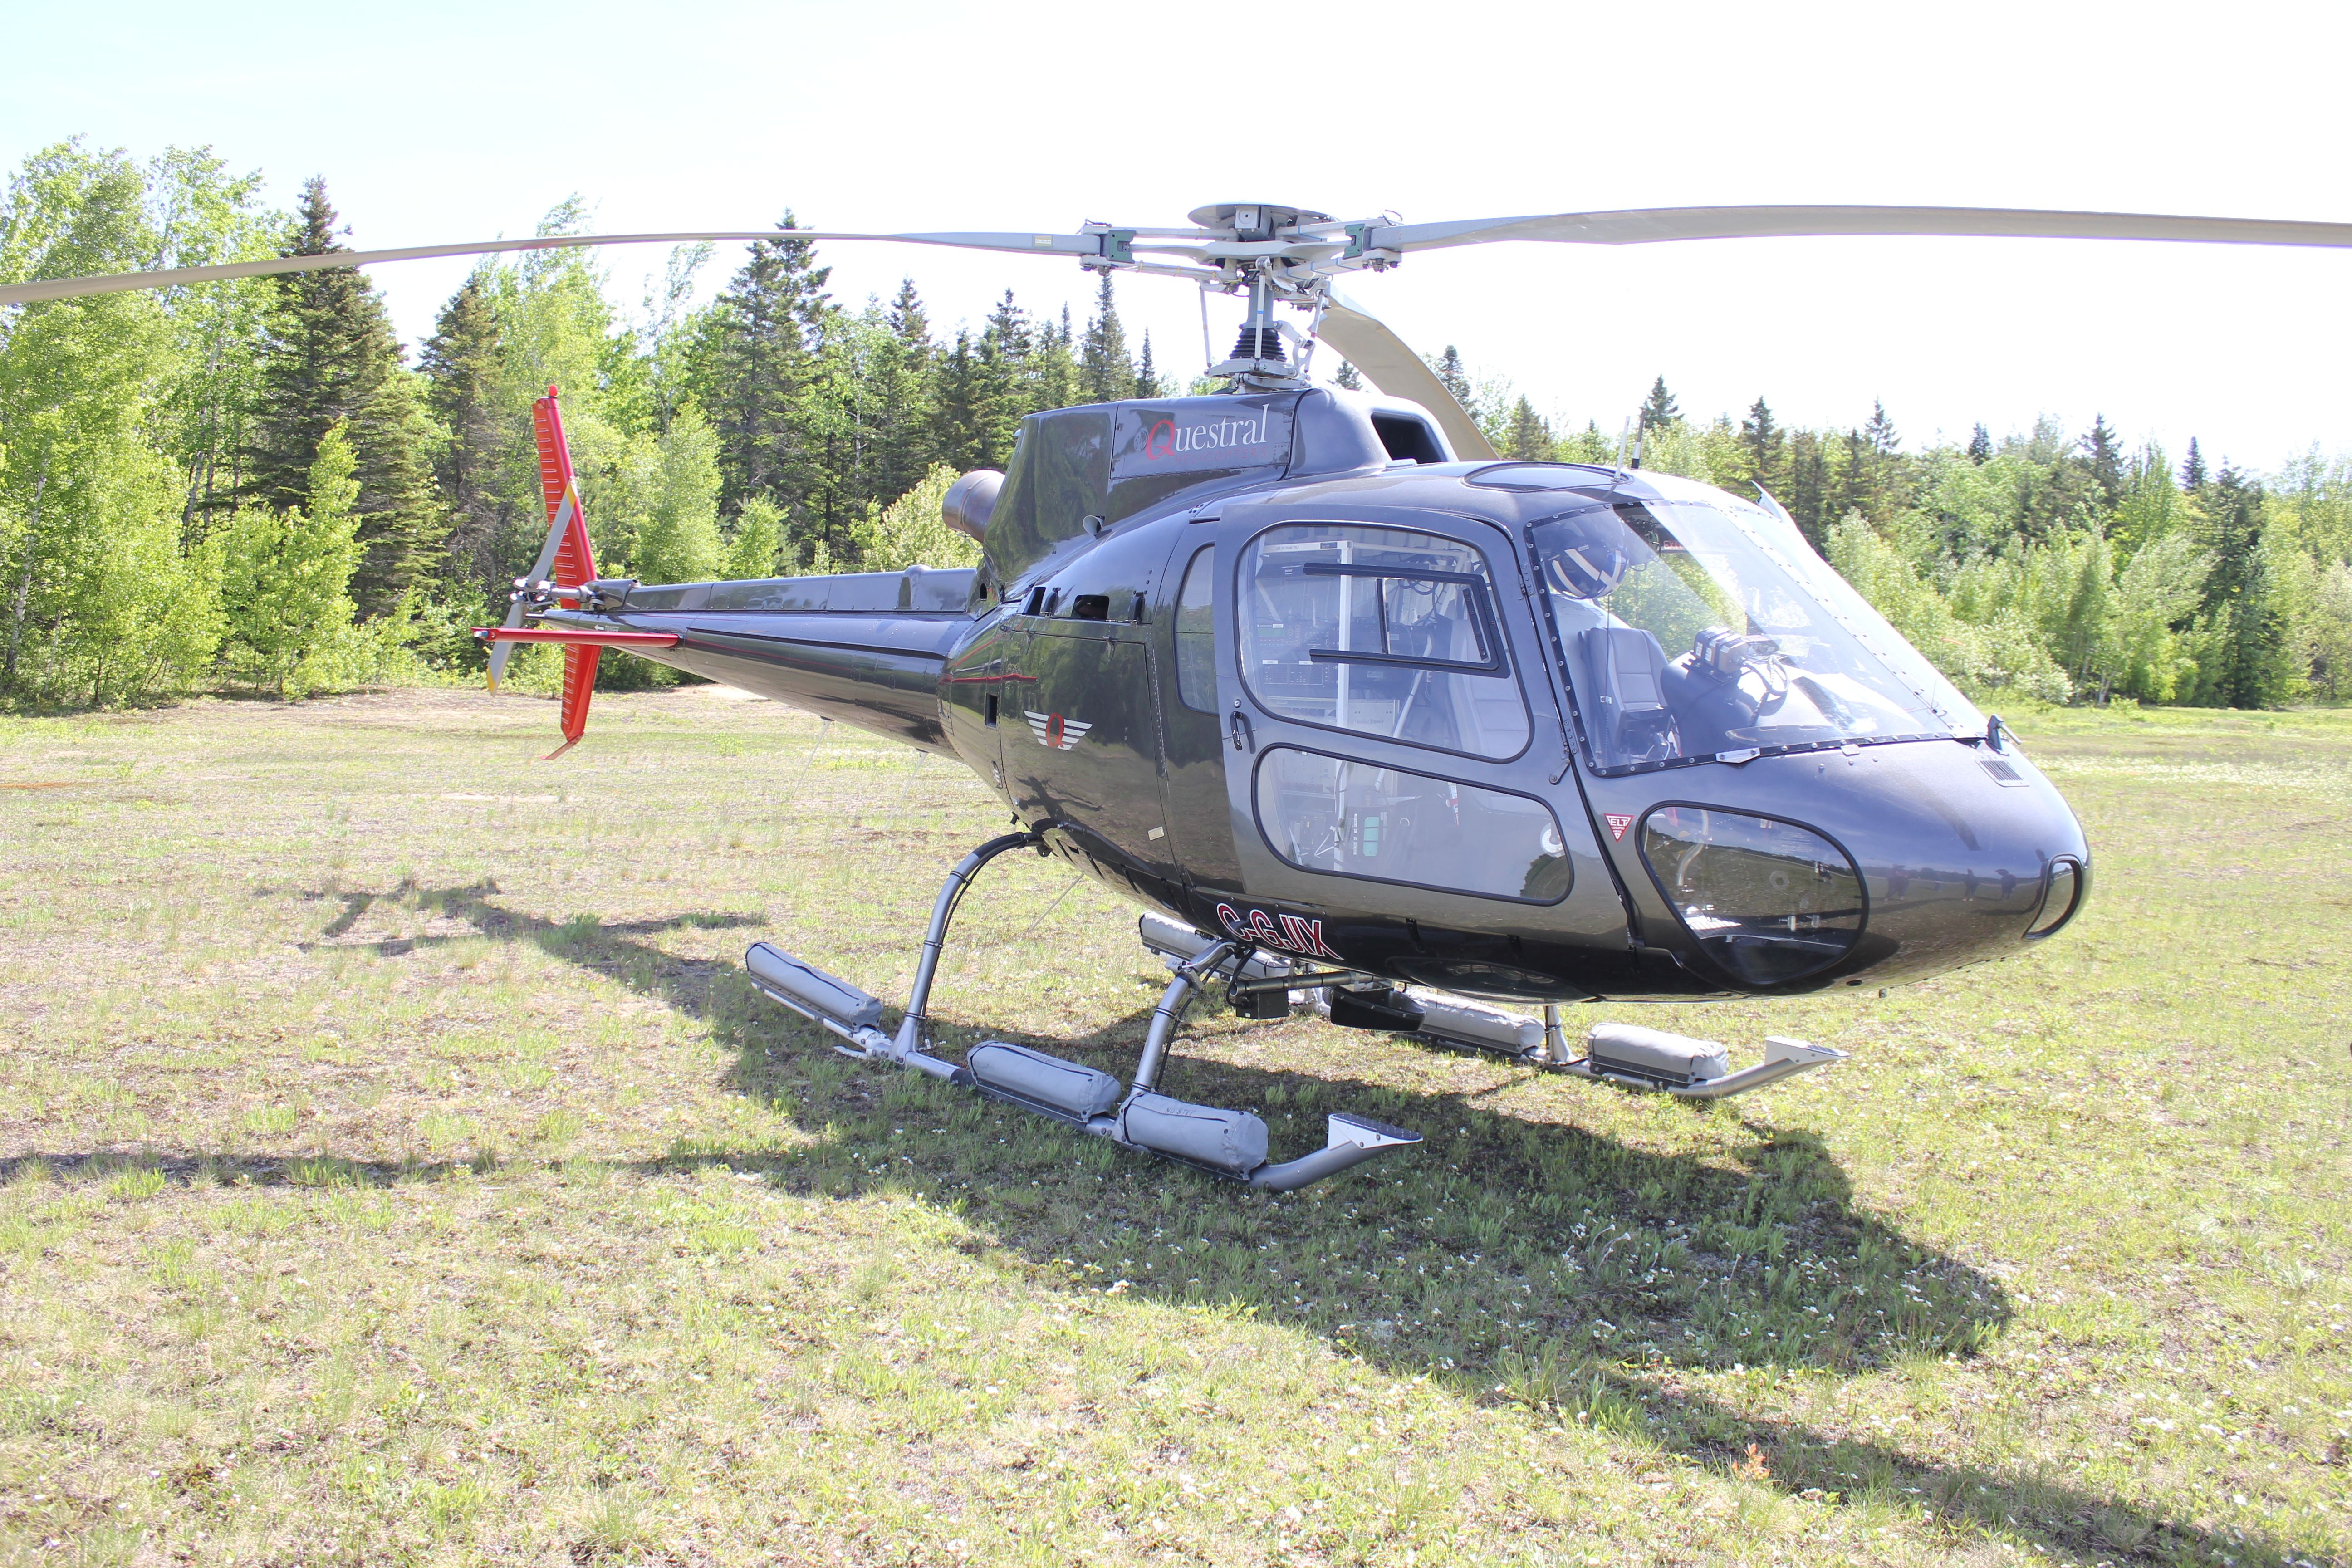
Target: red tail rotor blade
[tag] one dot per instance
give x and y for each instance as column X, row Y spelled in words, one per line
column 567, row 559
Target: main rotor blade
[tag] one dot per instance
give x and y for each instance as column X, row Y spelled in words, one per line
column 1650, row 225
column 1390, row 363
column 113, row 283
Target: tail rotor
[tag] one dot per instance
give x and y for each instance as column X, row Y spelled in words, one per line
column 566, row 561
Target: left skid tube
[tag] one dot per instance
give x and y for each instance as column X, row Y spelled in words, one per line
column 1230, row 1143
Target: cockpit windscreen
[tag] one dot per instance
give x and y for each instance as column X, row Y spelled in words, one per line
column 1691, row 630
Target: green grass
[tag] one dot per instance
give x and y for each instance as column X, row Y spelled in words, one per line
column 397, row 1168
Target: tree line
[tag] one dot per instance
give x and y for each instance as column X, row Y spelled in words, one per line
column 2059, row 565
column 248, row 483
column 178, row 467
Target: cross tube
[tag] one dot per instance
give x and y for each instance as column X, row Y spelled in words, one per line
column 914, row 1028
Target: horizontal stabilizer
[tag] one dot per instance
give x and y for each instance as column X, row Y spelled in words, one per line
column 569, row 637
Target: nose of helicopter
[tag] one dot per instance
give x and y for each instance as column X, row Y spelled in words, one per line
column 1868, row 864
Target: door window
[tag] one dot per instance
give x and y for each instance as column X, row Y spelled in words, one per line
column 1382, row 631
column 1356, row 819
column 1196, row 642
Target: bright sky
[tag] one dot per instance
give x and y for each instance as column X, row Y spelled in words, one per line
column 434, row 121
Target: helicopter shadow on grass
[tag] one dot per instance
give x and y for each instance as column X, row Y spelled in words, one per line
column 1518, row 1262
column 1514, row 1260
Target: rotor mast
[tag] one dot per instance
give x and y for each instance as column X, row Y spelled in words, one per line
column 1260, row 251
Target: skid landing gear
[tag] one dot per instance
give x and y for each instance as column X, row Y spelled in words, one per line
column 1623, row 1054
column 1231, row 1144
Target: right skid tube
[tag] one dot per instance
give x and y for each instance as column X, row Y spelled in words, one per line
column 1229, row 1144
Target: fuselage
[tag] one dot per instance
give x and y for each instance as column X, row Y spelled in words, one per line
column 1277, row 666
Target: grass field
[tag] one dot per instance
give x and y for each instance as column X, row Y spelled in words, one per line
column 397, row 1168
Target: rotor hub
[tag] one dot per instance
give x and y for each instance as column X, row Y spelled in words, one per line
column 1252, row 220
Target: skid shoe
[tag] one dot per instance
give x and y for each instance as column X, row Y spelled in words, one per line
column 1230, row 1143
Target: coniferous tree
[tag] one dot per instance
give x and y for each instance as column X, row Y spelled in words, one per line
column 1808, row 487
column 959, row 400
column 1106, row 372
column 1349, row 378
column 1451, row 371
column 758, row 365
column 2103, row 454
column 2192, row 468
column 1880, row 431
column 462, row 364
column 1851, row 492
column 1660, row 407
column 2244, row 598
column 1001, row 393
column 1980, row 446
column 331, row 358
column 1049, row 374
column 1529, row 437
column 1880, row 478
column 1761, row 438
column 1148, row 383
column 901, row 395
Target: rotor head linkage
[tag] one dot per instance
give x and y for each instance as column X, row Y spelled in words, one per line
column 1252, row 221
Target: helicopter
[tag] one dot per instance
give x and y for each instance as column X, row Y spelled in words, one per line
column 1370, row 719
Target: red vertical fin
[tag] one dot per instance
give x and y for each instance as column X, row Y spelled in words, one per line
column 579, row 686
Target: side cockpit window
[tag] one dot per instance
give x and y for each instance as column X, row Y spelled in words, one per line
column 1196, row 633
column 1380, row 631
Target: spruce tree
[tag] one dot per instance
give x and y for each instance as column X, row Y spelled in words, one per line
column 1660, row 408
column 1882, row 473
column 1530, row 438
column 330, row 357
column 1146, row 374
column 1761, row 438
column 1809, row 488
column 1880, row 431
column 1000, row 392
column 2192, row 468
column 2241, row 597
column 2103, row 455
column 1851, row 492
column 900, row 396
column 1450, row 370
column 1349, row 378
column 1050, row 374
column 759, row 364
column 1106, row 372
column 960, row 397
column 461, row 364
column 1980, row 446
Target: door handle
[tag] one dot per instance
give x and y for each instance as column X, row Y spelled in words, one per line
column 1238, row 726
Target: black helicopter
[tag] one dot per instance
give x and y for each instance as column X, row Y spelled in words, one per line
column 1370, row 719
